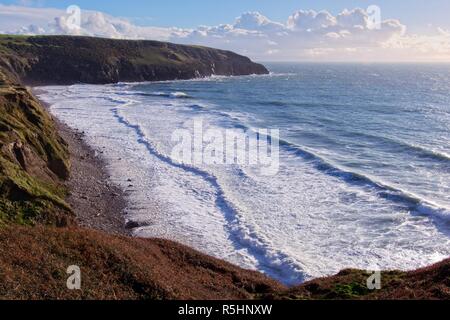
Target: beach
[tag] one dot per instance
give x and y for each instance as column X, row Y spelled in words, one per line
column 96, row 202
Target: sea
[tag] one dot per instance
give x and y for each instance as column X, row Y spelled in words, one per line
column 360, row 156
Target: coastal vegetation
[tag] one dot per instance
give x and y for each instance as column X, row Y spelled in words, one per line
column 39, row 233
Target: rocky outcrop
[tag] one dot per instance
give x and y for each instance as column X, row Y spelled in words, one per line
column 68, row 60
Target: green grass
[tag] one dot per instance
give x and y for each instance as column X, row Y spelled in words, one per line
column 8, row 40
column 349, row 291
column 26, row 197
column 13, row 36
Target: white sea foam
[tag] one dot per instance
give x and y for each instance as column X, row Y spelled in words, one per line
column 300, row 224
column 179, row 95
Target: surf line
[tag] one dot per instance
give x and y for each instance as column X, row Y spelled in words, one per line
column 239, row 233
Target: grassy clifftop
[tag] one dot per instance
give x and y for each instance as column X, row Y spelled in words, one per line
column 68, row 60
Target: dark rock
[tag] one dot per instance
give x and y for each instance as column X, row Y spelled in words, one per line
column 132, row 225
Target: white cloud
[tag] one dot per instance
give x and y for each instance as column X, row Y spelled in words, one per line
column 30, row 20
column 305, row 35
column 258, row 22
column 356, row 18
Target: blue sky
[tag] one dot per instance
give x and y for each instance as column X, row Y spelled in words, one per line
column 267, row 30
column 416, row 14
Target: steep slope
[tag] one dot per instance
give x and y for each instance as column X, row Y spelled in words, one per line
column 33, row 160
column 34, row 261
column 68, row 60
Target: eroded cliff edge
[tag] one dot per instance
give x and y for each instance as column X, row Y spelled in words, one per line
column 68, row 60
column 39, row 236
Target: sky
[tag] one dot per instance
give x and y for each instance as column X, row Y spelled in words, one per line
column 265, row 30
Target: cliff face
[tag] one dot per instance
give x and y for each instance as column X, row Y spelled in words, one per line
column 68, row 60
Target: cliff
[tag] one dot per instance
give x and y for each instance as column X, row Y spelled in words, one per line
column 39, row 235
column 67, row 60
